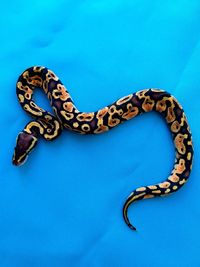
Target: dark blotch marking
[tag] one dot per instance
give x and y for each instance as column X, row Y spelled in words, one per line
column 52, row 85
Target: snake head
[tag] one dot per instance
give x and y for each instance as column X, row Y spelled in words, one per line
column 25, row 143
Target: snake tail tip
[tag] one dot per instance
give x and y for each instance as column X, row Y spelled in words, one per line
column 132, row 227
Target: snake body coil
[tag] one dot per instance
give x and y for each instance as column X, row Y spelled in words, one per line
column 68, row 116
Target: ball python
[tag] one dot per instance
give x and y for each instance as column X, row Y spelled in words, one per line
column 68, row 116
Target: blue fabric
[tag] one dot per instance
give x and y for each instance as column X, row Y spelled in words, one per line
column 64, row 206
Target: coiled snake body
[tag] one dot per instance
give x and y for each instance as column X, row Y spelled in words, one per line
column 68, row 116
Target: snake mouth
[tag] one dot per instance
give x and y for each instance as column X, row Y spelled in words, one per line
column 18, row 162
column 15, row 162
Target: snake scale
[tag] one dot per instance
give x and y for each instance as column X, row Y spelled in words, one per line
column 68, row 116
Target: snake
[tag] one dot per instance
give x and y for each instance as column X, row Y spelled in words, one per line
column 66, row 115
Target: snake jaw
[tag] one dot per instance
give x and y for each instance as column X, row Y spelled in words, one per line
column 24, row 144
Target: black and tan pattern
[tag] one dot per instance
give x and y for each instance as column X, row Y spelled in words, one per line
column 68, row 116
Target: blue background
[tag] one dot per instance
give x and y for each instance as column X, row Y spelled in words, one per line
column 64, row 206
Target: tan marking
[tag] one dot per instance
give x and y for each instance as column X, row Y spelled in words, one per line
column 161, row 104
column 55, row 133
column 60, row 93
column 188, row 127
column 25, row 88
column 164, row 185
column 174, row 187
column 141, row 189
column 131, row 113
column 182, row 181
column 28, row 96
column 45, row 88
column 101, row 129
column 179, row 143
column 68, row 106
column 48, row 117
column 38, row 69
column 50, row 75
column 21, row 98
column 175, row 127
column 101, row 113
column 112, row 110
column 189, row 155
column 124, row 99
column 170, row 114
column 148, row 104
column 34, row 112
column 49, row 97
column 179, row 167
column 174, row 178
column 148, row 196
column 167, row 191
column 120, row 112
column 189, row 142
column 84, row 116
column 67, row 115
column 33, row 124
column 25, row 74
column 157, row 90
column 131, row 199
column 113, row 122
column 32, row 104
column 141, row 94
column 152, row 187
column 75, row 124
column 137, row 196
column 34, row 80
column 156, row 191
column 183, row 120
column 85, row 127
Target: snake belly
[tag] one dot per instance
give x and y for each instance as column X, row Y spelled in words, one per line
column 66, row 115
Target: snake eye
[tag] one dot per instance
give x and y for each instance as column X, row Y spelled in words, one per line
column 25, row 143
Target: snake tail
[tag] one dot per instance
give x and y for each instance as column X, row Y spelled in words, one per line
column 66, row 115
